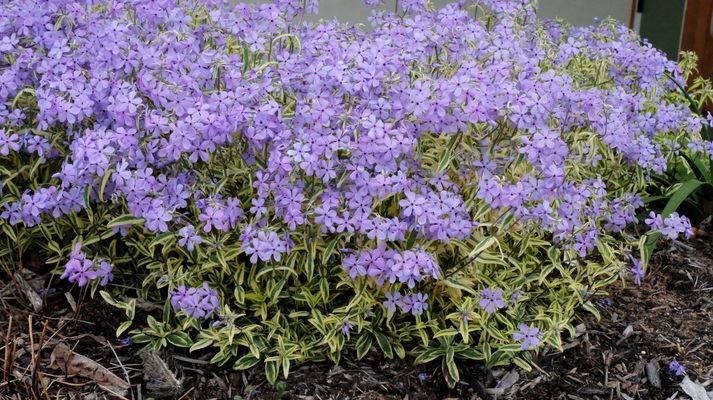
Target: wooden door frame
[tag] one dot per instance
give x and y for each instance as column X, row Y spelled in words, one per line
column 698, row 37
column 634, row 3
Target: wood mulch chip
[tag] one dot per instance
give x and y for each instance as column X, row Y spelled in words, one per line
column 64, row 348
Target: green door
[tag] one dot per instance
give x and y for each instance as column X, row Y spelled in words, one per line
column 662, row 24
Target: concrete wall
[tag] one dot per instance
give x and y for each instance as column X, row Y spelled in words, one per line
column 582, row 12
column 576, row 12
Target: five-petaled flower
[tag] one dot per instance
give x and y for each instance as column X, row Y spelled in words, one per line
column 679, row 369
column 491, row 300
column 530, row 337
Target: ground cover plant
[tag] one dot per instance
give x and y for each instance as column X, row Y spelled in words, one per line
column 454, row 184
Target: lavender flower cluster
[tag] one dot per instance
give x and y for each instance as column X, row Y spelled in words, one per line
column 80, row 270
column 415, row 304
column 136, row 100
column 390, row 265
column 672, row 226
column 196, row 302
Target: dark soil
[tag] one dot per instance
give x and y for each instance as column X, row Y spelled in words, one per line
column 668, row 317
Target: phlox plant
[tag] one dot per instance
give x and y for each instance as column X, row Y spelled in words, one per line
column 445, row 186
column 687, row 184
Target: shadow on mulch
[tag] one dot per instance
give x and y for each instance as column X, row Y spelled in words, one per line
column 625, row 355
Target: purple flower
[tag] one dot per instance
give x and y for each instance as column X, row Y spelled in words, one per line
column 491, row 300
column 637, row 269
column 393, row 301
column 8, row 143
column 189, row 238
column 213, row 218
column 104, row 271
column 196, row 302
column 346, row 327
column 679, row 369
column 415, row 303
column 180, row 295
column 265, row 246
column 209, row 301
column 80, row 271
column 530, row 337
column 672, row 226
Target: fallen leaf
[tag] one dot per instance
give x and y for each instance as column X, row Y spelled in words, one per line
column 73, row 364
column 29, row 293
column 695, row 390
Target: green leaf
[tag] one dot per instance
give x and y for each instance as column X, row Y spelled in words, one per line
column 203, row 343
column 318, row 321
column 107, row 297
column 54, row 246
column 470, row 354
column 275, row 292
column 272, row 268
column 384, row 344
column 510, row 348
column 271, row 370
column 399, row 350
column 486, row 352
column 123, row 327
column 91, row 240
column 141, row 338
column 324, row 289
column 363, row 344
column 491, row 258
column 131, row 309
column 588, row 306
column 162, row 239
column 125, row 220
column 429, row 355
column 153, row 324
column 36, row 164
column 450, row 355
column 522, row 364
column 220, row 358
column 499, row 358
column 330, row 248
column 87, row 196
column 459, row 285
column 546, row 271
column 454, row 140
column 239, row 294
column 310, row 256
column 10, row 232
column 218, row 187
column 482, row 246
column 444, row 162
column 446, row 333
column 298, row 314
column 179, row 339
column 104, row 181
column 411, row 239
column 451, row 371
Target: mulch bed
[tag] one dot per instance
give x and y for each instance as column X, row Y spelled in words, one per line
column 624, row 355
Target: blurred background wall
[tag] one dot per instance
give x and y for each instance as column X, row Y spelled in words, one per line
column 576, row 12
column 669, row 25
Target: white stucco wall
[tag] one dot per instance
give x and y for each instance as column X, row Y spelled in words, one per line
column 576, row 12
column 582, row 12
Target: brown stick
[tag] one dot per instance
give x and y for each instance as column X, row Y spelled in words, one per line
column 9, row 353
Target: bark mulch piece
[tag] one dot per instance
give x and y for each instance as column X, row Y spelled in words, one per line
column 624, row 355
